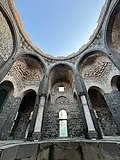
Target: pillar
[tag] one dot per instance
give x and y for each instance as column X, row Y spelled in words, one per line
column 91, row 129
column 82, row 93
column 43, row 89
column 39, row 119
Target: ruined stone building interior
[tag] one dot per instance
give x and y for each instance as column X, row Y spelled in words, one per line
column 60, row 108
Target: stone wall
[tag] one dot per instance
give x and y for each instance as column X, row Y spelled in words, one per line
column 7, row 116
column 63, row 100
column 115, row 35
column 97, row 67
column 105, row 120
column 25, row 75
column 6, row 40
column 113, row 102
column 24, row 116
column 98, row 70
column 98, row 63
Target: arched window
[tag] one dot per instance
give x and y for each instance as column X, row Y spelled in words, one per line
column 63, row 132
column 116, row 82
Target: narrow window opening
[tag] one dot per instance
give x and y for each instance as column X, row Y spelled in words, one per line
column 63, row 131
column 61, row 89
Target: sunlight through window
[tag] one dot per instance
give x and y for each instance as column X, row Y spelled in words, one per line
column 63, row 132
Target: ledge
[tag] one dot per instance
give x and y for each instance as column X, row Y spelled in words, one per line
column 75, row 148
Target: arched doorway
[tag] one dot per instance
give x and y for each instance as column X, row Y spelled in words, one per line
column 105, row 119
column 24, row 116
column 5, row 89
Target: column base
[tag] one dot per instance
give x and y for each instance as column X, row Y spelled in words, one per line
column 36, row 136
column 92, row 135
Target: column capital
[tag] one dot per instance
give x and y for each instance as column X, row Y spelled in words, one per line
column 81, row 93
column 42, row 94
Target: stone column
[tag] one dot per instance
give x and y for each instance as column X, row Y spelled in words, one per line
column 91, row 129
column 82, row 93
column 39, row 119
column 42, row 93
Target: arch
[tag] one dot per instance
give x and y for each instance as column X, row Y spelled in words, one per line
column 24, row 116
column 28, row 91
column 6, row 88
column 61, row 72
column 66, row 64
column 8, row 52
column 98, row 89
column 94, row 66
column 36, row 60
column 62, row 100
column 35, row 57
column 61, row 89
column 105, row 119
column 63, row 131
column 26, row 68
column 87, row 54
column 8, row 85
column 115, row 82
column 112, row 35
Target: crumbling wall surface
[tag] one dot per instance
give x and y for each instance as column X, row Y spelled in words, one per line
column 6, row 39
column 56, row 150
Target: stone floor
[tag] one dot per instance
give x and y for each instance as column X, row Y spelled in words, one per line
column 107, row 148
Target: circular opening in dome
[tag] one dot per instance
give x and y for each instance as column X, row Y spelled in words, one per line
column 59, row 28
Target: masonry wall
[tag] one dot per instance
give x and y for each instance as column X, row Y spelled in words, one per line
column 63, row 100
column 26, row 68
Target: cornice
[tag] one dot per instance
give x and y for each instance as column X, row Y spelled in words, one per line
column 26, row 42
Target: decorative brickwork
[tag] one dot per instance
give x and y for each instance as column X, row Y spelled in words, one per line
column 96, row 67
column 98, row 70
column 25, row 72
